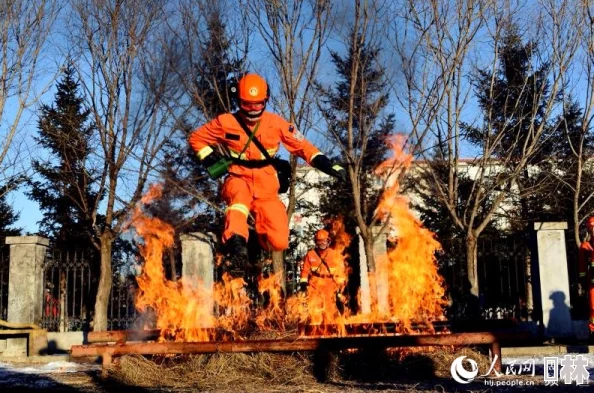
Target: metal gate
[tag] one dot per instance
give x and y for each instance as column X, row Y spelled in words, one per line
column 501, row 274
column 69, row 293
column 67, row 302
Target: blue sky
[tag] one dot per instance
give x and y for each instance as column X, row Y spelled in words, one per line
column 28, row 210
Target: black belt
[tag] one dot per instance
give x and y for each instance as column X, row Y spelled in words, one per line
column 252, row 164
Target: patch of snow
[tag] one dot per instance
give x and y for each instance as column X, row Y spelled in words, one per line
column 48, row 368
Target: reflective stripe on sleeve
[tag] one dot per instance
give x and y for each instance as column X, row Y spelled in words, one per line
column 204, row 152
column 239, row 207
column 236, row 154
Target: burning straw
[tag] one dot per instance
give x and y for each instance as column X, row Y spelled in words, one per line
column 284, row 372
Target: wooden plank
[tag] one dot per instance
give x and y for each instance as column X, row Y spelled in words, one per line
column 301, row 344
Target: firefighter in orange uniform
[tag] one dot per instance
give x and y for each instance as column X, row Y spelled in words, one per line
column 252, row 184
column 586, row 269
column 323, row 267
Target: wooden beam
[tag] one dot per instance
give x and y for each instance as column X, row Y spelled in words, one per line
column 308, row 330
column 123, row 335
column 302, row 344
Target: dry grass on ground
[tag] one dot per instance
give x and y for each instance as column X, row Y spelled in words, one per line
column 297, row 370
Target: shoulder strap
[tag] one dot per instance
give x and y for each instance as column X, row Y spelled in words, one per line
column 245, row 128
column 325, row 264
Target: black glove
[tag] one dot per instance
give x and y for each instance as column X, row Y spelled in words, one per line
column 303, row 287
column 322, row 163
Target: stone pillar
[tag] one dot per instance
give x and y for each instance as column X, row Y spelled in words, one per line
column 198, row 261
column 198, row 258
column 25, row 285
column 552, row 287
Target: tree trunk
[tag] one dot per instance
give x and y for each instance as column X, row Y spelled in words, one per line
column 278, row 265
column 63, row 304
column 105, row 282
column 528, row 271
column 370, row 256
column 472, row 264
column 172, row 269
column 369, row 252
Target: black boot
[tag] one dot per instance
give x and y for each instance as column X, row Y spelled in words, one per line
column 237, row 256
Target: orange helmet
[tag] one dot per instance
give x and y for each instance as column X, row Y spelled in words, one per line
column 253, row 88
column 590, row 222
column 322, row 234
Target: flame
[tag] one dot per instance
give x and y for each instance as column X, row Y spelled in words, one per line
column 408, row 286
column 272, row 315
column 405, row 287
column 324, row 307
column 184, row 311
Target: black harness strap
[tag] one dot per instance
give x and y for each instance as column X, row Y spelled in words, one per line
column 256, row 142
column 329, row 275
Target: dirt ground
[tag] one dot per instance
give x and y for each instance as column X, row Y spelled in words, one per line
column 92, row 382
column 267, row 374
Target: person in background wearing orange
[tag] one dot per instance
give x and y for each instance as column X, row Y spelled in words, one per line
column 323, row 266
column 586, row 269
column 252, row 183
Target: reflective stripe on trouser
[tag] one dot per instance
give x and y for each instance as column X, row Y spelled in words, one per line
column 270, row 216
column 236, row 221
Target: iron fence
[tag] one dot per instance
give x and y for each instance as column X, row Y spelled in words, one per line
column 4, row 268
column 502, row 264
column 122, row 313
column 67, row 298
column 70, row 284
column 69, row 293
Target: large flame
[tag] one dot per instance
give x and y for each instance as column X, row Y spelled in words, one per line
column 184, row 311
column 404, row 287
column 408, row 285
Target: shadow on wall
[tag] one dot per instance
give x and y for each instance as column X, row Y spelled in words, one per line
column 559, row 323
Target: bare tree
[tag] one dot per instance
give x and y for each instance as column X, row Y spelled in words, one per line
column 116, row 44
column 25, row 27
column 295, row 34
column 577, row 23
column 207, row 45
column 354, row 107
column 440, row 52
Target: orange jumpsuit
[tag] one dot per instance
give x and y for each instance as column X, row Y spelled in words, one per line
column 319, row 273
column 326, row 280
column 586, row 270
column 253, row 190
